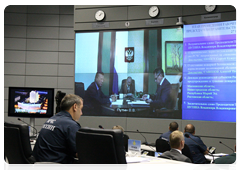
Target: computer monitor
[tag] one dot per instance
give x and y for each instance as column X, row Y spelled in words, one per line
column 32, row 102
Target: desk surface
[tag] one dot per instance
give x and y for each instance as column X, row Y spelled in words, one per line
column 208, row 157
column 160, row 163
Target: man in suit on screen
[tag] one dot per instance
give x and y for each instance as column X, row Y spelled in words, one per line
column 128, row 86
column 162, row 97
column 94, row 96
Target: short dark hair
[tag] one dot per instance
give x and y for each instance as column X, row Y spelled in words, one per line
column 173, row 126
column 189, row 128
column 97, row 74
column 69, row 100
column 159, row 71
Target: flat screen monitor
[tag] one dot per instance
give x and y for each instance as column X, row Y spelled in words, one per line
column 209, row 72
column 30, row 102
column 134, row 53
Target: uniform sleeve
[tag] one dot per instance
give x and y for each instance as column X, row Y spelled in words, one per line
column 71, row 139
column 203, row 146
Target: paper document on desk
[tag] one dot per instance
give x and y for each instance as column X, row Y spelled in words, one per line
column 136, row 159
column 117, row 102
column 139, row 102
column 220, row 154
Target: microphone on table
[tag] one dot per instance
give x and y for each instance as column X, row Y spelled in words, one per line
column 226, row 146
column 28, row 125
column 187, row 136
column 146, row 143
column 100, row 126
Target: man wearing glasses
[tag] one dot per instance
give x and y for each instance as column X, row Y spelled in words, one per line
column 162, row 97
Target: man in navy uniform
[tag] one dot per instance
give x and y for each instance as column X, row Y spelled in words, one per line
column 172, row 127
column 56, row 140
column 193, row 143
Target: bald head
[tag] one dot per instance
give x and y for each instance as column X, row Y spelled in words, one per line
column 189, row 128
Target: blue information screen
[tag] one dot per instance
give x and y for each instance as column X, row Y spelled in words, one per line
column 209, row 72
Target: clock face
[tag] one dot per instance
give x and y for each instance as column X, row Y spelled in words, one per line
column 99, row 15
column 153, row 11
column 210, row 8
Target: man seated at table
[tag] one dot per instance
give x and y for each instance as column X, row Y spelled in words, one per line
column 128, row 87
column 172, row 127
column 162, row 97
column 176, row 140
column 224, row 161
column 57, row 139
column 94, row 96
column 197, row 147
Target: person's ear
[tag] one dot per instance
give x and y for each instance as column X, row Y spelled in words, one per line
column 75, row 107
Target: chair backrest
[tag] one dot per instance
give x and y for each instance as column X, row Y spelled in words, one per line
column 125, row 141
column 186, row 151
column 124, row 81
column 13, row 149
column 24, row 138
column 162, row 145
column 100, row 146
column 79, row 89
column 174, row 94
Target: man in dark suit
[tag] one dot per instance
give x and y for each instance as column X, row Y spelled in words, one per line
column 172, row 127
column 128, row 86
column 224, row 161
column 162, row 97
column 176, row 140
column 94, row 96
column 197, row 147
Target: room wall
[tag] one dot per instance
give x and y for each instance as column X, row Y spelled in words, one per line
column 39, row 51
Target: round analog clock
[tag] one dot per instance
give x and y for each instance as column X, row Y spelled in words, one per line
column 210, row 8
column 153, row 11
column 99, row 15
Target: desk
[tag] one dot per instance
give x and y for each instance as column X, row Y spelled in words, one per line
column 127, row 108
column 160, row 163
column 208, row 157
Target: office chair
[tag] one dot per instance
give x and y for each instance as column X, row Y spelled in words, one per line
column 174, row 95
column 162, row 145
column 100, row 146
column 79, row 89
column 186, row 151
column 19, row 154
column 125, row 140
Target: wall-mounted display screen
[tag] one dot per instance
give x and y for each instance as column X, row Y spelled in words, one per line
column 30, row 102
column 123, row 54
column 198, row 61
column 209, row 72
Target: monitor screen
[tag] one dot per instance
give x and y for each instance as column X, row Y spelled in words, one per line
column 209, row 72
column 30, row 102
column 129, row 53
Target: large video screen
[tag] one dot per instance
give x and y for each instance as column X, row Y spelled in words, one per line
column 209, row 72
column 131, row 53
